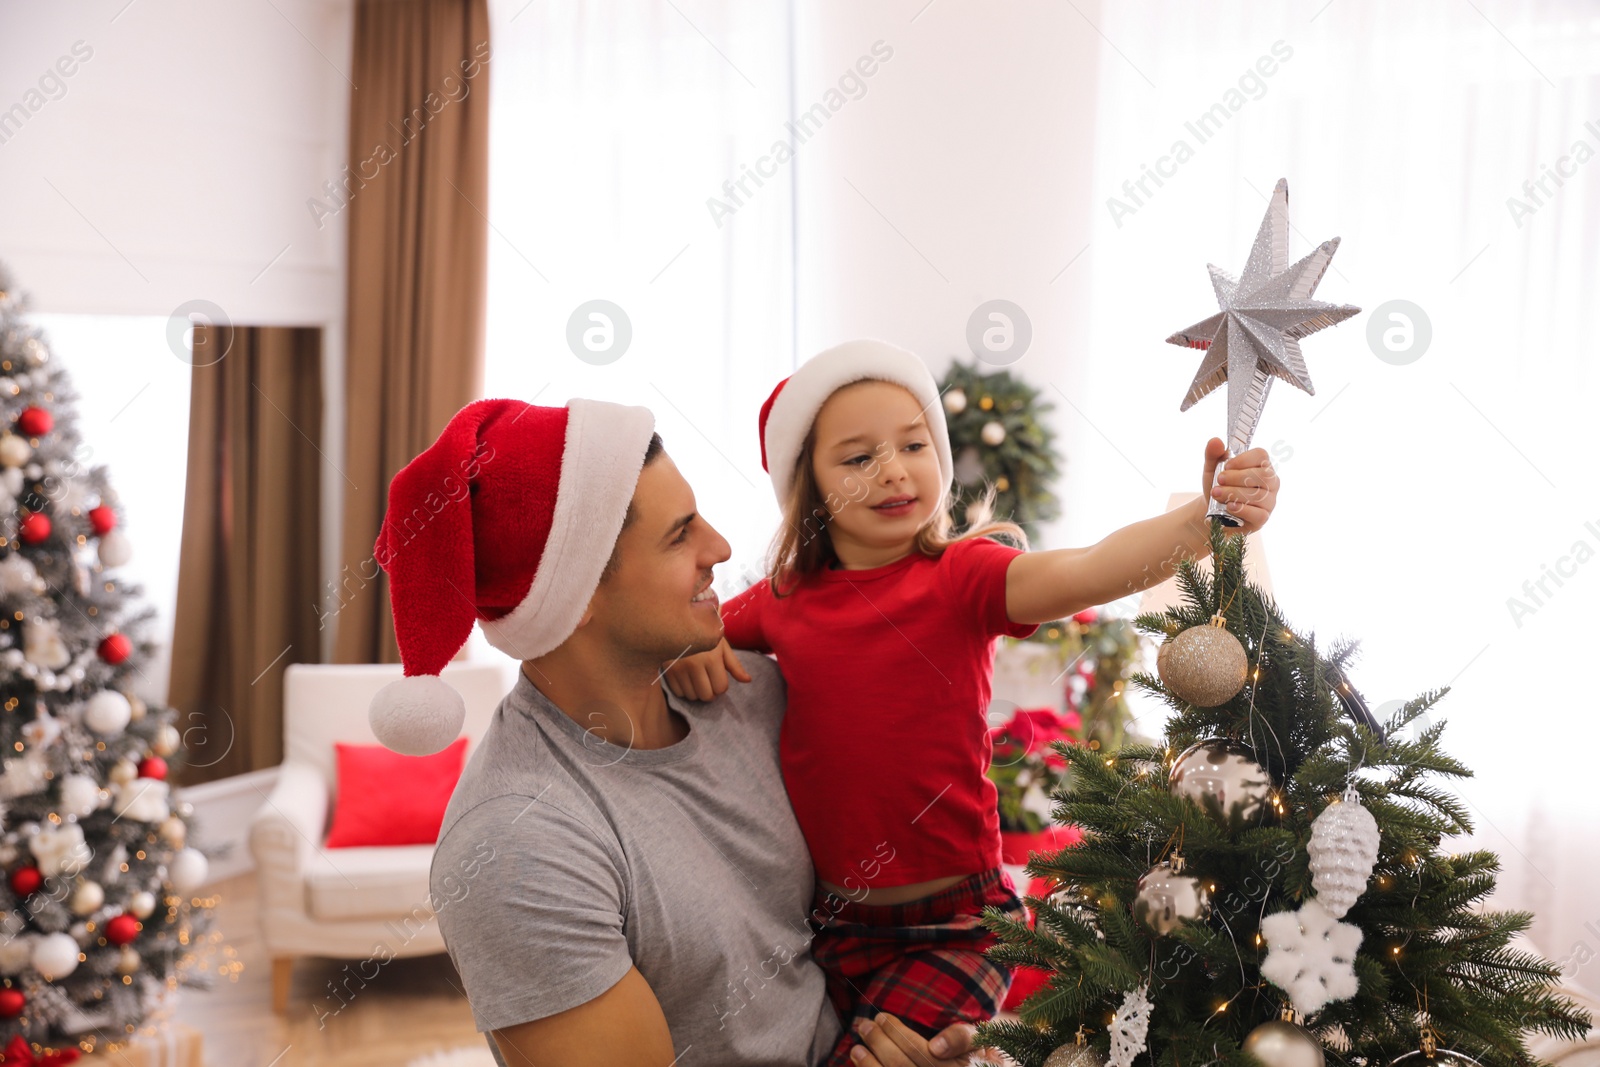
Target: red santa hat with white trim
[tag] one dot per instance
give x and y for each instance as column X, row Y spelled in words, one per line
column 787, row 415
column 507, row 520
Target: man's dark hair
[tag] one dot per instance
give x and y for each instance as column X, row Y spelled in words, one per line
column 651, row 451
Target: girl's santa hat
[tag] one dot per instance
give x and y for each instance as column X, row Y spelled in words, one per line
column 787, row 415
column 506, row 520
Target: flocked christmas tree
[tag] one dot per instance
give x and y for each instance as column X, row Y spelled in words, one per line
column 100, row 921
column 1274, row 883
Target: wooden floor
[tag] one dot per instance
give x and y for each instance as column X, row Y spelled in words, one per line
column 414, row 1006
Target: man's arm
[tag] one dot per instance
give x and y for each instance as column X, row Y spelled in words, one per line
column 623, row 1025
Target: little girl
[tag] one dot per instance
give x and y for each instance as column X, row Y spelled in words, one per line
column 883, row 622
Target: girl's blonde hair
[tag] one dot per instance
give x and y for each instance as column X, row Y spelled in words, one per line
column 802, row 545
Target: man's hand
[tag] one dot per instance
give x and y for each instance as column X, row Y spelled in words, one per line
column 891, row 1043
column 704, row 675
column 1249, row 485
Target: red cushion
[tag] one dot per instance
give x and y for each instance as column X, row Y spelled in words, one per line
column 389, row 799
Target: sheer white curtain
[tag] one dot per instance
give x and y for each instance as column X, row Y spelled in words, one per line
column 614, row 122
column 1418, row 498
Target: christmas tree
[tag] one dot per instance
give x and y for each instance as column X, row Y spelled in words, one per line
column 100, row 921
column 1273, row 883
column 998, row 441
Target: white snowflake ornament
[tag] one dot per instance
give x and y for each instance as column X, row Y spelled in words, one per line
column 1129, row 1028
column 1344, row 849
column 1310, row 956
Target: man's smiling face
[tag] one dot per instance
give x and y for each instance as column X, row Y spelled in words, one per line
column 655, row 600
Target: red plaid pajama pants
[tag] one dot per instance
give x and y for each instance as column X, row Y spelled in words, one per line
column 922, row 961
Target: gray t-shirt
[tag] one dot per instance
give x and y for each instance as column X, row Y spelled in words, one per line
column 563, row 860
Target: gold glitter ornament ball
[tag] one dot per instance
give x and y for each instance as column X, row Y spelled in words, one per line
column 1204, row 665
column 1072, row 1055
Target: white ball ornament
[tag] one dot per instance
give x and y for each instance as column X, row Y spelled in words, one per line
column 14, row 450
column 115, row 548
column 955, row 401
column 1343, row 850
column 993, row 434
column 122, row 772
column 107, row 713
column 128, row 961
column 187, row 872
column 166, row 741
column 87, row 898
column 55, row 956
column 141, row 904
column 175, row 831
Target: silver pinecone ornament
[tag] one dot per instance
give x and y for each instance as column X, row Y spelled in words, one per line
column 1343, row 849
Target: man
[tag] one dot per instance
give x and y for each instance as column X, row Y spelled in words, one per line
column 619, row 878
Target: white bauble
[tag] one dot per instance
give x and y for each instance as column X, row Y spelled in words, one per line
column 34, row 471
column 12, row 658
column 115, row 548
column 1343, row 850
column 55, row 956
column 16, row 953
column 14, row 450
column 175, row 831
column 187, row 871
column 993, row 434
column 87, row 898
column 141, row 904
column 128, row 961
column 80, row 795
column 166, row 741
column 123, row 771
column 107, row 713
column 11, row 479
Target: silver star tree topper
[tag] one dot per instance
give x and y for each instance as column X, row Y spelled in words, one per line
column 1256, row 335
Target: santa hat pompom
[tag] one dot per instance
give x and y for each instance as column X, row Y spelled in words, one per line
column 417, row 716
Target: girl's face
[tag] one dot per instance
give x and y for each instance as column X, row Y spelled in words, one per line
column 876, row 470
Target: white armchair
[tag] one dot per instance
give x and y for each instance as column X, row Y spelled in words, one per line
column 346, row 902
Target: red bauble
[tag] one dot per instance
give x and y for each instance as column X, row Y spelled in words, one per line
column 153, row 767
column 120, row 929
column 103, row 519
column 34, row 528
column 25, row 880
column 1087, row 616
column 35, row 422
column 11, row 1003
column 115, row 649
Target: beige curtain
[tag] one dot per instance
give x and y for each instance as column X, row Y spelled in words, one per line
column 248, row 563
column 418, row 244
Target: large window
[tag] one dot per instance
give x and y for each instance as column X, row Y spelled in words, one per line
column 1445, row 509
column 630, row 163
column 132, row 414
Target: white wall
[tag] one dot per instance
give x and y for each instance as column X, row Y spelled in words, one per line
column 174, row 164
